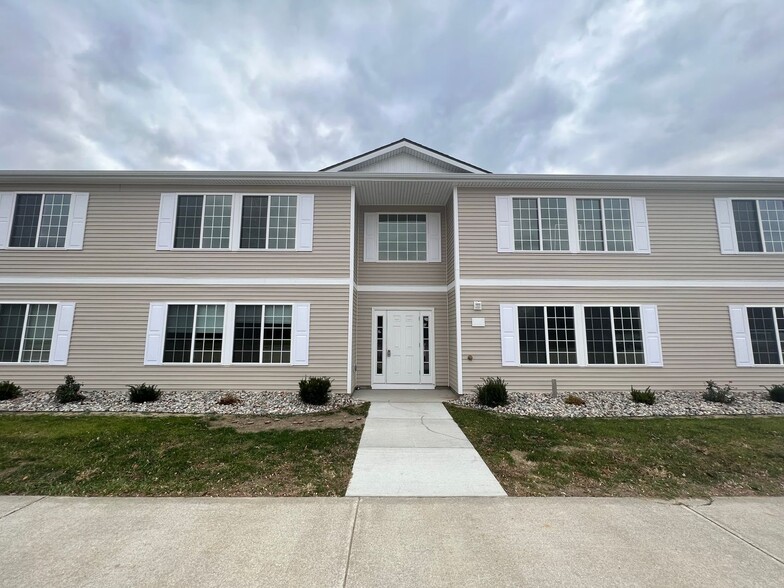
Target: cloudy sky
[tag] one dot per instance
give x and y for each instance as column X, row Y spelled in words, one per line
column 582, row 86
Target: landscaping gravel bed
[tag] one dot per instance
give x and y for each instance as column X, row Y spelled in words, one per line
column 620, row 404
column 197, row 402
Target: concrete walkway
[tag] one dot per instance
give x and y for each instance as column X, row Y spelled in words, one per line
column 108, row 542
column 417, row 449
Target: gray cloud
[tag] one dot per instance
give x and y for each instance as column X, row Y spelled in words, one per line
column 584, row 86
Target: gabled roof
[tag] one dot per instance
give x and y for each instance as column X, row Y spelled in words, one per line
column 405, row 155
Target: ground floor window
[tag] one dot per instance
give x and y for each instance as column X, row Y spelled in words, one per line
column 766, row 330
column 194, row 333
column 26, row 332
column 204, row 333
column 262, row 333
column 580, row 335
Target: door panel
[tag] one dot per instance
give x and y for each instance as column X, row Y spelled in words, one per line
column 403, row 358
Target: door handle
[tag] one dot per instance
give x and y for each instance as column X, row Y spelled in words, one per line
column 389, row 353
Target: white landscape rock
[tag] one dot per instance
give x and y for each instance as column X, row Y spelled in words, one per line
column 620, row 404
column 177, row 402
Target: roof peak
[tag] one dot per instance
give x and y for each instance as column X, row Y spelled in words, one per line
column 402, row 156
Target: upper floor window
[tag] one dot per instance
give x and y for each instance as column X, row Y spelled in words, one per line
column 402, row 236
column 236, row 221
column 748, row 225
column 571, row 224
column 35, row 332
column 758, row 333
column 43, row 220
column 580, row 335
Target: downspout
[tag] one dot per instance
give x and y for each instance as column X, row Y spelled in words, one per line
column 458, row 315
column 350, row 354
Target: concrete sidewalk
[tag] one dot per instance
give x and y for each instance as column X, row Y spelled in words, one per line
column 417, row 449
column 383, row 541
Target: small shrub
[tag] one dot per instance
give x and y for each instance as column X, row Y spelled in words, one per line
column 492, row 392
column 229, row 399
column 715, row 393
column 315, row 390
column 775, row 392
column 143, row 393
column 69, row 391
column 574, row 400
column 644, row 396
column 9, row 390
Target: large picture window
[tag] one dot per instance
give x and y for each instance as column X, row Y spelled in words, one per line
column 262, row 333
column 26, row 332
column 402, row 237
column 194, row 333
column 40, row 220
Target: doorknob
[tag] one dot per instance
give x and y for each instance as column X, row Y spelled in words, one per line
column 389, row 353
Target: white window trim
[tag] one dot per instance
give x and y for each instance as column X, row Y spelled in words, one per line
column 640, row 230
column 60, row 309
column 433, row 238
column 750, row 347
column 235, row 222
column 75, row 227
column 227, row 349
column 729, row 242
column 581, row 340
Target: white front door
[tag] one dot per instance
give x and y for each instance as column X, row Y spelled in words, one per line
column 403, row 352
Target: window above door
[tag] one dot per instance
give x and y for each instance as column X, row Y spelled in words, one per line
column 402, row 237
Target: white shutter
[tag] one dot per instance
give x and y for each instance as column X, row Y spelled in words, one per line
column 371, row 236
column 741, row 337
column 305, row 222
column 510, row 354
column 724, row 218
column 503, row 224
column 433, row 236
column 156, row 324
column 77, row 219
column 61, row 338
column 642, row 242
column 227, row 350
column 7, row 200
column 301, row 330
column 651, row 336
column 166, row 216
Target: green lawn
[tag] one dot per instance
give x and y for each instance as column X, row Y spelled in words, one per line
column 669, row 458
column 172, row 456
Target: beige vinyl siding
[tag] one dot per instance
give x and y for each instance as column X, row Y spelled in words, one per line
column 683, row 234
column 402, row 272
column 110, row 326
column 122, row 225
column 363, row 332
column 452, row 325
column 694, row 326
